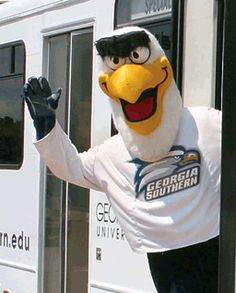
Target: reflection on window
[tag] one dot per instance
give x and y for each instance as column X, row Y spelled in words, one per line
column 12, row 60
column 141, row 11
column 67, row 206
column 162, row 31
column 80, row 129
column 55, row 188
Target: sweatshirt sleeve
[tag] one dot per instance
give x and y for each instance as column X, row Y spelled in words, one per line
column 63, row 159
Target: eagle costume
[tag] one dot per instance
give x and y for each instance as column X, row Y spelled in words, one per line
column 161, row 172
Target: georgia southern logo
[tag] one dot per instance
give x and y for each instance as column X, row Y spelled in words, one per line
column 177, row 171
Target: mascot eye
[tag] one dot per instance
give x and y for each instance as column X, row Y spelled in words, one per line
column 114, row 62
column 140, row 55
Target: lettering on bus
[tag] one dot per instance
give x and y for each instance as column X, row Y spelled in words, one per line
column 108, row 226
column 157, row 6
column 20, row 241
column 104, row 213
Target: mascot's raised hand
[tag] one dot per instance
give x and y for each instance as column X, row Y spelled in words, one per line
column 42, row 104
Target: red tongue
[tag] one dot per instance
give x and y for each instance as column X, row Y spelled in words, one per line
column 140, row 110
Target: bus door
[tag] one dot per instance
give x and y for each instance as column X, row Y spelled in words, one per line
column 69, row 64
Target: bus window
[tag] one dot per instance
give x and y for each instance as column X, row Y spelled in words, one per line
column 58, row 66
column 151, row 15
column 164, row 19
column 80, row 129
column 12, row 76
column 67, row 206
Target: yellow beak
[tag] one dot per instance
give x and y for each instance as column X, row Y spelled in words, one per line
column 132, row 85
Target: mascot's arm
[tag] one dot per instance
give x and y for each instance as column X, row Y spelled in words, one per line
column 63, row 159
column 54, row 146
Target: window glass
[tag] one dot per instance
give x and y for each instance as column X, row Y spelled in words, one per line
column 67, row 206
column 11, row 106
column 135, row 11
column 55, row 188
column 53, row 254
column 5, row 59
column 58, row 73
column 80, row 128
column 162, row 32
column 19, row 62
column 164, row 19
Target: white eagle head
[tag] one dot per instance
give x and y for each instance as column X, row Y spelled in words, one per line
column 138, row 78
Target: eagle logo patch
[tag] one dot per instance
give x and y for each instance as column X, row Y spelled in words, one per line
column 179, row 170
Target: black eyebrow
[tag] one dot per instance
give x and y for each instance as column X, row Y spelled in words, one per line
column 122, row 45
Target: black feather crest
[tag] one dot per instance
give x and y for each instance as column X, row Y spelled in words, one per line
column 122, row 45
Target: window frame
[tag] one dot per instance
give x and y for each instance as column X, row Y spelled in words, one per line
column 63, row 119
column 65, row 186
column 177, row 20
column 17, row 166
column 89, row 29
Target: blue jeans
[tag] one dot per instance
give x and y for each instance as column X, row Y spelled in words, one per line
column 193, row 269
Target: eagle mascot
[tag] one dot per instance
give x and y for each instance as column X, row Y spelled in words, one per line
column 161, row 172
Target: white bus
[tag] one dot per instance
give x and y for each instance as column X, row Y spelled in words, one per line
column 56, row 237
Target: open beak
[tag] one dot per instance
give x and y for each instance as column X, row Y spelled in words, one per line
column 140, row 90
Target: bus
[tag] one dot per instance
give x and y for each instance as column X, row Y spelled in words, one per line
column 59, row 238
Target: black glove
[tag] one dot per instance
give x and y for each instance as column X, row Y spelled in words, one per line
column 41, row 104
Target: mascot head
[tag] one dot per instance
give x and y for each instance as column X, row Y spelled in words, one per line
column 138, row 78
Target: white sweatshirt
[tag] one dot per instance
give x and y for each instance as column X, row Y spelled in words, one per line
column 164, row 205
